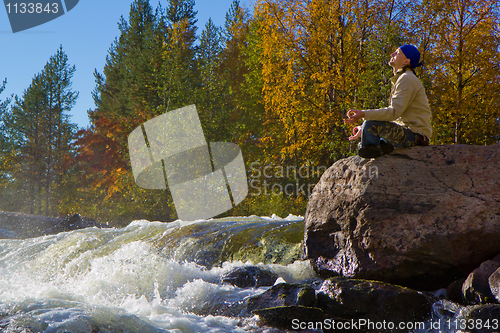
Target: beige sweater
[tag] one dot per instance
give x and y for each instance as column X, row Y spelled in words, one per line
column 408, row 105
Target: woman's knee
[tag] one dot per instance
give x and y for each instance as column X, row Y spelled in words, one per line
column 373, row 123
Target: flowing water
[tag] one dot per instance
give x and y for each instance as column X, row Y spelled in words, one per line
column 146, row 277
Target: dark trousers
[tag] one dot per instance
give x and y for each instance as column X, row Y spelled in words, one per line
column 373, row 131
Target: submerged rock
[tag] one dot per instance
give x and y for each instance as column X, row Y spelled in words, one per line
column 420, row 217
column 251, row 239
column 249, row 276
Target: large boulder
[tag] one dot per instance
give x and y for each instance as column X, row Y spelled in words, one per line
column 420, row 217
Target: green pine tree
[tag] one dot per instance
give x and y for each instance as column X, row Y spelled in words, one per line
column 40, row 137
column 212, row 92
column 179, row 74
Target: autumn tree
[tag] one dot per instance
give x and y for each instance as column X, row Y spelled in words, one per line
column 464, row 63
column 279, row 82
column 311, row 59
column 310, row 69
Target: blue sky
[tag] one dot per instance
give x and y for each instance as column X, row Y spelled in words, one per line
column 86, row 33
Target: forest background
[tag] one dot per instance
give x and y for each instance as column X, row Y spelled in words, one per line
column 276, row 79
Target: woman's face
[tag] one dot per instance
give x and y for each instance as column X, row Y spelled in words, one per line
column 398, row 59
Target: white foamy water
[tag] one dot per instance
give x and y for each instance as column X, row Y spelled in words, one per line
column 122, row 280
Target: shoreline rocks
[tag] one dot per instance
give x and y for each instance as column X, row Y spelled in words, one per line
column 341, row 302
column 295, row 306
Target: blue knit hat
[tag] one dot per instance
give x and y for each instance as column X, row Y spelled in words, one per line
column 412, row 53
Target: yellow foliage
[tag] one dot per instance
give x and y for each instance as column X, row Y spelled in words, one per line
column 311, row 58
column 462, row 59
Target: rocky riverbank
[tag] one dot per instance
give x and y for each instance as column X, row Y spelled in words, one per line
column 340, row 304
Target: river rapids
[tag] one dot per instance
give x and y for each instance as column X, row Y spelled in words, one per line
column 146, row 277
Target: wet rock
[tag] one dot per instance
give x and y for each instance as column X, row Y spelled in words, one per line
column 454, row 291
column 340, row 300
column 479, row 319
column 494, row 283
column 282, row 294
column 294, row 317
column 476, row 288
column 373, row 300
column 252, row 276
column 249, row 276
column 26, row 225
column 453, row 317
column 220, row 305
column 249, row 239
column 285, row 305
column 410, row 218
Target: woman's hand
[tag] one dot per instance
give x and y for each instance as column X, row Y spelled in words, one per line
column 356, row 133
column 353, row 116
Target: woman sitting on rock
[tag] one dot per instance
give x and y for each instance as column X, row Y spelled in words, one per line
column 406, row 121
